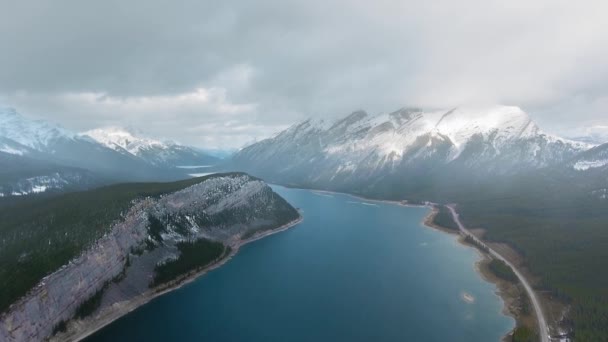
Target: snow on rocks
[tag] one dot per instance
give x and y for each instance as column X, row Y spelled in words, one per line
column 493, row 140
column 584, row 165
column 34, row 134
column 121, row 139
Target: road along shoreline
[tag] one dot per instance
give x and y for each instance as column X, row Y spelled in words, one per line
column 428, row 221
column 540, row 316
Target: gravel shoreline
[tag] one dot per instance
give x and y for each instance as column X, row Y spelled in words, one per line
column 505, row 290
column 80, row 329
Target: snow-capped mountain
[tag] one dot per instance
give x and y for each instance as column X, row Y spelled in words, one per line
column 593, row 159
column 407, row 146
column 28, row 134
column 52, row 147
column 155, row 152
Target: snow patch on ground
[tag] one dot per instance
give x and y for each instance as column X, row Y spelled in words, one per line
column 10, row 150
column 35, row 185
column 200, row 174
column 584, row 165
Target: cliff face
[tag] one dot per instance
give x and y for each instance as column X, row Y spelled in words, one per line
column 121, row 265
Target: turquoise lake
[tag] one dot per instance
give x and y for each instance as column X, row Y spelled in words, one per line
column 351, row 271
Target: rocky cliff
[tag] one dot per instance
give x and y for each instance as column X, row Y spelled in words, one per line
column 121, row 265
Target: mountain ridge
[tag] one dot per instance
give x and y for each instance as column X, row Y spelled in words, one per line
column 121, row 243
column 153, row 151
column 543, row 196
column 406, row 146
column 52, row 146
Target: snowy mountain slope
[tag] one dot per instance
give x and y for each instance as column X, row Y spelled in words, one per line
column 44, row 141
column 153, row 151
column 588, row 170
column 409, row 145
column 13, row 147
column 396, row 131
column 21, row 175
column 34, row 134
column 122, row 140
column 594, row 159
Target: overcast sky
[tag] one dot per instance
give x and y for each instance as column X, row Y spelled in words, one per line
column 223, row 73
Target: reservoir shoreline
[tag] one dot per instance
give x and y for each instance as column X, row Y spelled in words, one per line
column 79, row 330
column 510, row 293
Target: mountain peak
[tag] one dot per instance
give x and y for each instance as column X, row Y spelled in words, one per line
column 498, row 139
column 402, row 127
column 34, row 134
column 351, row 119
column 130, row 141
column 115, row 137
column 113, row 132
column 506, row 122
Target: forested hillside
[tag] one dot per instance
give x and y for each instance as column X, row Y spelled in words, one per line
column 39, row 234
column 74, row 255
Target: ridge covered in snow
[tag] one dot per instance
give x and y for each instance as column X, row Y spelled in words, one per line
column 593, row 159
column 46, row 148
column 34, row 134
column 121, row 139
column 396, row 131
column 407, row 144
column 152, row 151
column 590, row 164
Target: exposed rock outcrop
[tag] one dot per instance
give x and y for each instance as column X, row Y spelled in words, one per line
column 224, row 209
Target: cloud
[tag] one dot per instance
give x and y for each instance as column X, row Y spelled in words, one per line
column 202, row 117
column 257, row 66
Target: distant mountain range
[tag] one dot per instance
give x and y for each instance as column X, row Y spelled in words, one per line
column 154, row 152
column 390, row 154
column 60, row 160
column 409, row 149
column 21, row 175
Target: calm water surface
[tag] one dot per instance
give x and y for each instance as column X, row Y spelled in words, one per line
column 351, row 271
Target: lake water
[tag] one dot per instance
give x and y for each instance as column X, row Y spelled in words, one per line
column 351, row 271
